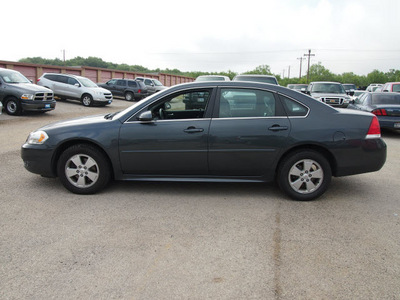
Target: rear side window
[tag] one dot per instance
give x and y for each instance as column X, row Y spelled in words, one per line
column 121, row 82
column 55, row 77
column 396, row 87
column 132, row 83
column 244, row 103
column 294, row 108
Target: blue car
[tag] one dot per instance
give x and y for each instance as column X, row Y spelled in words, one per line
column 386, row 106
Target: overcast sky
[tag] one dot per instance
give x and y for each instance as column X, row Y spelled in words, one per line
column 212, row 36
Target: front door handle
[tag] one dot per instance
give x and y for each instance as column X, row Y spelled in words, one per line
column 278, row 128
column 193, row 129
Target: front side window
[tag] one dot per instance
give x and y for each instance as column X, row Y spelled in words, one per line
column 72, row 81
column 243, row 103
column 147, row 82
column 187, row 105
column 121, row 82
column 112, row 81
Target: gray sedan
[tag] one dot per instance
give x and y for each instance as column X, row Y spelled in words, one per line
column 212, row 131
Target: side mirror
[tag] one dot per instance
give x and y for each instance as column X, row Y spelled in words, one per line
column 77, row 85
column 351, row 92
column 303, row 90
column 146, row 116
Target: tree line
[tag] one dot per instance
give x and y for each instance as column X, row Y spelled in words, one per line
column 317, row 71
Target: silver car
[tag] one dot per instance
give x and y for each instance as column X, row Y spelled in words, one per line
column 66, row 86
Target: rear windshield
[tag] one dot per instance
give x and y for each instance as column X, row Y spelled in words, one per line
column 385, row 99
column 210, row 78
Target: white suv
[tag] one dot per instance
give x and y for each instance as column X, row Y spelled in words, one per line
column 80, row 88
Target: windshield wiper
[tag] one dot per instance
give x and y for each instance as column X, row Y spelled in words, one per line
column 110, row 115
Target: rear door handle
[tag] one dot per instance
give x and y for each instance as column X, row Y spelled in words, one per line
column 278, row 128
column 193, row 130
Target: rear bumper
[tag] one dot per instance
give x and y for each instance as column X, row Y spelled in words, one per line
column 360, row 157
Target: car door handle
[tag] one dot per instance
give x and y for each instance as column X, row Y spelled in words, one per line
column 193, row 130
column 278, row 128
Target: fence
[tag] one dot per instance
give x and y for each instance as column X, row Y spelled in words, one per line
column 98, row 75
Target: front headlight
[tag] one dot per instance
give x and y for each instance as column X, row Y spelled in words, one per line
column 27, row 96
column 37, row 137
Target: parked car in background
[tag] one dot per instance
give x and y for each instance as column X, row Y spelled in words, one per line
column 66, row 86
column 373, row 86
column 212, row 78
column 298, row 87
column 331, row 93
column 128, row 88
column 349, row 88
column 18, row 94
column 153, row 85
column 391, row 87
column 385, row 105
column 357, row 94
column 257, row 78
column 243, row 132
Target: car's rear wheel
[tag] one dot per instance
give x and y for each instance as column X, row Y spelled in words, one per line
column 129, row 96
column 87, row 100
column 13, row 106
column 304, row 175
column 83, row 169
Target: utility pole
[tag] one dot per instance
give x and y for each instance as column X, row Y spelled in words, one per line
column 288, row 76
column 301, row 63
column 308, row 70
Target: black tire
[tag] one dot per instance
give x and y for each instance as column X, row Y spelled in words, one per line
column 13, row 106
column 87, row 100
column 83, row 169
column 129, row 96
column 304, row 175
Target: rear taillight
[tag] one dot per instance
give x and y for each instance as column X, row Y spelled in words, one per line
column 139, row 91
column 379, row 112
column 38, row 80
column 374, row 130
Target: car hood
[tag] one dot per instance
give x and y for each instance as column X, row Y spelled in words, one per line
column 30, row 87
column 90, row 120
column 98, row 89
column 318, row 95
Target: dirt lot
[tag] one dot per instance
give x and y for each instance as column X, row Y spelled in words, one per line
column 193, row 240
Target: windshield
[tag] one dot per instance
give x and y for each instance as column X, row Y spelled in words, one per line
column 300, row 86
column 328, row 88
column 87, row 82
column 157, row 83
column 14, row 77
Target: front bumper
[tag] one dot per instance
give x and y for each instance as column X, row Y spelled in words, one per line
column 38, row 160
column 38, row 105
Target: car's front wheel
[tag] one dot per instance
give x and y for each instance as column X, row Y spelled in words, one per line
column 304, row 175
column 13, row 107
column 87, row 100
column 83, row 169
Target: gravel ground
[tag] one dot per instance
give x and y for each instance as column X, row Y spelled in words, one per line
column 147, row 240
